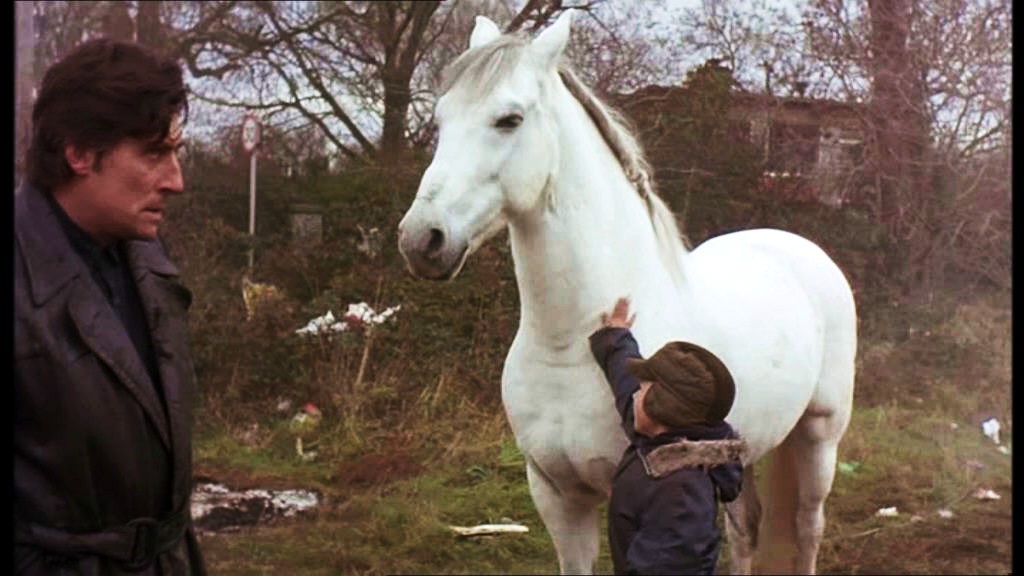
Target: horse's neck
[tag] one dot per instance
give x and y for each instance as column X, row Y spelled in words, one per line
column 588, row 243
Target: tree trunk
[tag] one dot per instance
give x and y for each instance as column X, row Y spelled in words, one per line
column 25, row 82
column 401, row 30
column 118, row 23
column 900, row 137
column 150, row 31
column 397, row 98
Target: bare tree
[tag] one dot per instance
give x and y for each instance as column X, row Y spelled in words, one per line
column 364, row 73
column 934, row 78
column 938, row 107
column 762, row 44
column 342, row 66
column 118, row 23
column 25, row 40
column 150, row 28
column 45, row 32
column 614, row 48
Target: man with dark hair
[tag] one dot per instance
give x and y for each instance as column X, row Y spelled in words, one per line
column 104, row 382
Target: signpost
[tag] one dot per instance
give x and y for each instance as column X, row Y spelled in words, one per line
column 250, row 140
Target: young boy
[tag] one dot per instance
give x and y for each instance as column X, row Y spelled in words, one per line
column 664, row 523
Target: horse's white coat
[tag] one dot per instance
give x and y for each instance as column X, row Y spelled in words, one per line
column 772, row 305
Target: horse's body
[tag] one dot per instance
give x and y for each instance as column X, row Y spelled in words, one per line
column 772, row 305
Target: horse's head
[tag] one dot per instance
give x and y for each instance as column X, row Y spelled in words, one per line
column 497, row 147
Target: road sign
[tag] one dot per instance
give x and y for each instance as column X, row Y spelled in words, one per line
column 250, row 133
column 250, row 140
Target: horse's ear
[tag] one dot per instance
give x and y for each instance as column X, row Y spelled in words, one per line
column 484, row 31
column 550, row 44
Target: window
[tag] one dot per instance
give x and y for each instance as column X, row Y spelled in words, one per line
column 793, row 148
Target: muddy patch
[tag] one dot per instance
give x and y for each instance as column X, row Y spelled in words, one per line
column 217, row 508
column 378, row 468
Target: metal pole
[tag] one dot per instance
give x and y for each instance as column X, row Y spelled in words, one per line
column 252, row 203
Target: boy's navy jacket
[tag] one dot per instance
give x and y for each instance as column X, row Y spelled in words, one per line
column 663, row 525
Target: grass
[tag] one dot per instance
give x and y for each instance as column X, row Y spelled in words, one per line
column 909, row 457
column 391, row 487
column 401, row 527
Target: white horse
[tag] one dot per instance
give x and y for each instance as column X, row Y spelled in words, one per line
column 524, row 145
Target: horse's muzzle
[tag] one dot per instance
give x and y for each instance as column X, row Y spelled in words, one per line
column 430, row 252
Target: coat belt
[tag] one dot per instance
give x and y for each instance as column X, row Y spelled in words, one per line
column 135, row 545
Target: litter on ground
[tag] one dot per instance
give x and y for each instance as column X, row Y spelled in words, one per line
column 986, row 494
column 489, row 529
column 991, row 429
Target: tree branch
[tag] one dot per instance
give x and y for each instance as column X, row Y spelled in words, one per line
column 527, row 11
column 314, row 79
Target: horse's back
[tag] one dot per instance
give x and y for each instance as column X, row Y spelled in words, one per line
column 815, row 268
column 791, row 289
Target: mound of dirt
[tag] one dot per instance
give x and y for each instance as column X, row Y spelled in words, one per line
column 378, row 468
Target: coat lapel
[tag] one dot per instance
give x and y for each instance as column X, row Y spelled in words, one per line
column 166, row 302
column 105, row 335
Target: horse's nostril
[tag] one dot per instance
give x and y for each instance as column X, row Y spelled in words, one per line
column 436, row 241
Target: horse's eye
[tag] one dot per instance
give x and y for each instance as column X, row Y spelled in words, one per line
column 509, row 121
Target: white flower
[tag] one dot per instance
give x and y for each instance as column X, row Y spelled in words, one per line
column 317, row 325
column 360, row 314
column 945, row 513
column 887, row 512
column 991, row 429
column 363, row 313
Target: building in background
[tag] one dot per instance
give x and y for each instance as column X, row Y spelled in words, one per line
column 813, row 150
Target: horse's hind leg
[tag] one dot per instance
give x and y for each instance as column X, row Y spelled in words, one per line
column 742, row 517
column 803, row 468
column 571, row 520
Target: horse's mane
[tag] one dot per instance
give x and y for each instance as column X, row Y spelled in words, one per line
column 481, row 67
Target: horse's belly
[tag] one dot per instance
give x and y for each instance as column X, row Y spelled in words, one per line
column 564, row 420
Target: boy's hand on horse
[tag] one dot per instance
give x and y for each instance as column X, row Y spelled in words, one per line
column 620, row 317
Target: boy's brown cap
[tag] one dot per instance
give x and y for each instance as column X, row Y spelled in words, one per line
column 691, row 385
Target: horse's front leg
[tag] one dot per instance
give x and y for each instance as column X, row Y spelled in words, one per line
column 570, row 513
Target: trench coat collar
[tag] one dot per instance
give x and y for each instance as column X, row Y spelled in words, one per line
column 53, row 262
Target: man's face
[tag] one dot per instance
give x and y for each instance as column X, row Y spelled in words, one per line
column 126, row 192
column 643, row 423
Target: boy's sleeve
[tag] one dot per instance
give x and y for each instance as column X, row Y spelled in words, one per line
column 675, row 535
column 611, row 348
